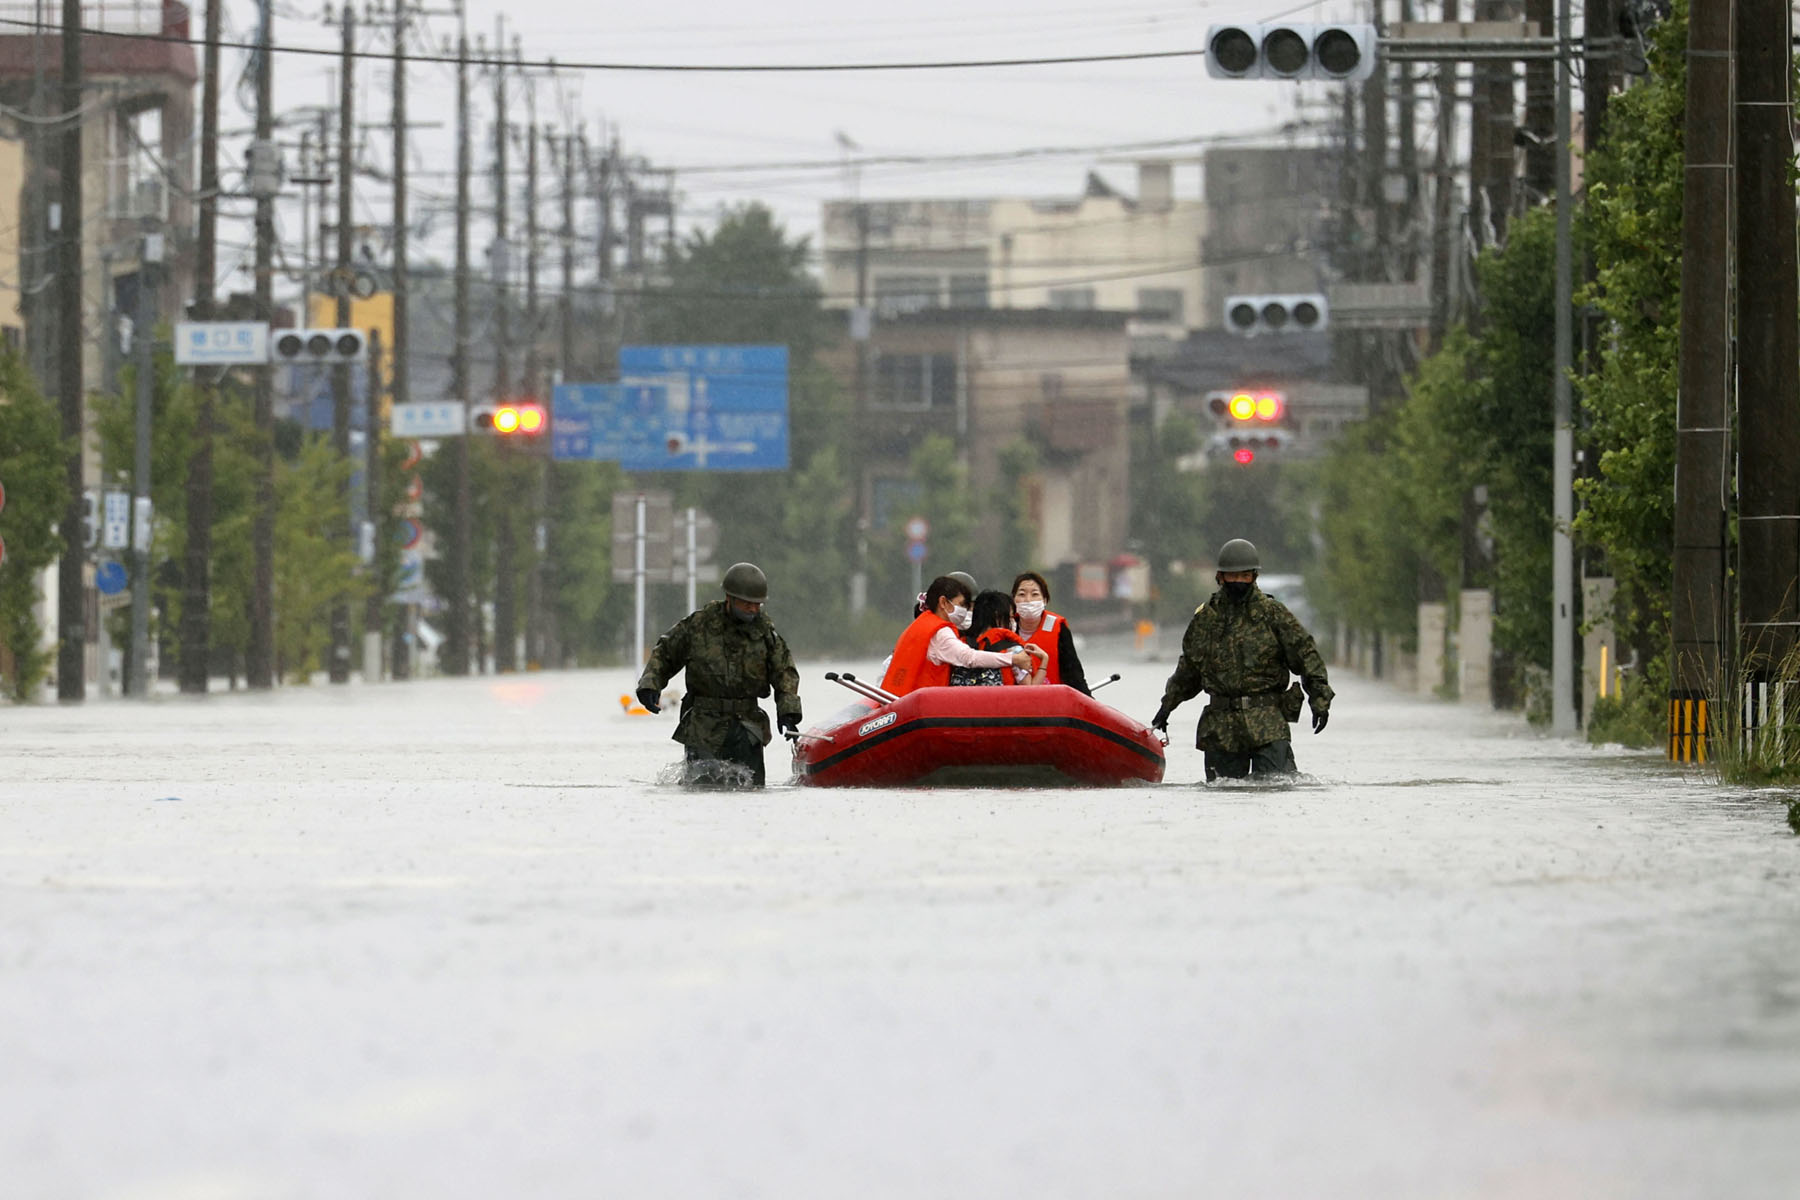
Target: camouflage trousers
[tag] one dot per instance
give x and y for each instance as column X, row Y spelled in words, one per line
column 735, row 764
column 1272, row 758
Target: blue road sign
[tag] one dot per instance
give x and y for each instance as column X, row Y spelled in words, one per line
column 916, row 551
column 110, row 577
column 680, row 408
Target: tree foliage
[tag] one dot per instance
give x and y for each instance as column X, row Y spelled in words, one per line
column 32, row 455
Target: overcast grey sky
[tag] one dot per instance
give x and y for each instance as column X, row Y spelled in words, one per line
column 698, row 122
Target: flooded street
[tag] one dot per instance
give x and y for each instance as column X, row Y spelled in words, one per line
column 452, row 939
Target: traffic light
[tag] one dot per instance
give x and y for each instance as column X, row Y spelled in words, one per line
column 1289, row 50
column 514, row 418
column 296, row 347
column 1302, row 312
column 1249, row 404
column 1244, row 448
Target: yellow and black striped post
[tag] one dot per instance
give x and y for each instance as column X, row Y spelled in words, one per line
column 1687, row 727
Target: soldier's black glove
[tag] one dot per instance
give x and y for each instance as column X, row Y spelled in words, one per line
column 1161, row 719
column 790, row 727
column 650, row 698
column 1320, row 716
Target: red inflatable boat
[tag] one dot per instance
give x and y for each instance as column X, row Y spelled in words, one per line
column 963, row 736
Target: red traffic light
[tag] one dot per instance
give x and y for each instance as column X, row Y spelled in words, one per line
column 1244, row 454
column 519, row 419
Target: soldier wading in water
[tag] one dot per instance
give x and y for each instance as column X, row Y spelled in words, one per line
column 1240, row 647
column 733, row 657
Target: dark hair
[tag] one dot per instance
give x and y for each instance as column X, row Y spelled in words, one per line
column 943, row 586
column 991, row 610
column 1035, row 578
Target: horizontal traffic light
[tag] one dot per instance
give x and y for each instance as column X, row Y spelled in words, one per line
column 512, row 419
column 1249, row 404
column 1303, row 312
column 1290, row 50
column 294, row 347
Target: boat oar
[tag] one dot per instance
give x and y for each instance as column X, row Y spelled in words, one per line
column 1098, row 686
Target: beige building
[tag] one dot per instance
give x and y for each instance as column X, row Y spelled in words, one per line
column 1100, row 251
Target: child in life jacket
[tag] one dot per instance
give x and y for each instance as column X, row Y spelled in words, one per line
column 991, row 629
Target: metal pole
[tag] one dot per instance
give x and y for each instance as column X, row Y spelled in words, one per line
column 259, row 670
column 71, row 599
column 340, row 374
column 693, row 558
column 458, row 624
column 637, row 580
column 1563, row 719
column 372, row 609
column 143, row 339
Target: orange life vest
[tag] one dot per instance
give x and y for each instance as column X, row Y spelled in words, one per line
column 1047, row 638
column 912, row 666
column 1002, row 641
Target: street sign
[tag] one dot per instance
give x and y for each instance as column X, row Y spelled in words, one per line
column 110, row 577
column 432, row 419
column 410, row 531
column 221, row 343
column 915, row 551
column 680, row 408
column 115, row 524
column 918, row 529
column 409, row 586
column 659, row 523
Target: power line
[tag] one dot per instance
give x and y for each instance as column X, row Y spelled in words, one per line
column 551, row 64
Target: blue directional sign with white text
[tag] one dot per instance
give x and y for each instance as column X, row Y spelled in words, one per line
column 680, row 408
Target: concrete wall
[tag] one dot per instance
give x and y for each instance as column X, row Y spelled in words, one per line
column 1476, row 647
column 1434, row 619
column 1598, row 643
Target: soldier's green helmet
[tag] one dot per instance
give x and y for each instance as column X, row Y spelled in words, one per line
column 745, row 581
column 1238, row 555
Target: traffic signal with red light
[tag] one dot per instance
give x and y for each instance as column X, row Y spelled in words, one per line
column 1249, row 404
column 512, row 419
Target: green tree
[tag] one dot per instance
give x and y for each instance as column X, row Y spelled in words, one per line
column 310, row 562
column 32, row 470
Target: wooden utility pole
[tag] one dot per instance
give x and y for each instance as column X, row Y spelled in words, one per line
column 196, row 600
column 71, row 598
column 340, row 374
column 259, row 671
column 457, row 624
column 1699, row 616
column 1768, row 345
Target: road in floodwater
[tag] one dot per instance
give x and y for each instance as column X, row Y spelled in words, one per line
column 452, row 939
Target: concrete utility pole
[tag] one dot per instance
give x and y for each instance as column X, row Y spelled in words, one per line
column 398, row 370
column 1768, row 345
column 1443, row 198
column 340, row 374
column 1563, row 718
column 196, row 602
column 1699, row 615
column 143, row 345
column 372, row 606
column 259, row 671
column 71, row 596
column 506, row 615
column 534, row 386
column 457, row 623
column 1540, row 108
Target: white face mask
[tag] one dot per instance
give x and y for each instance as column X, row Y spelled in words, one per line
column 961, row 617
column 1031, row 610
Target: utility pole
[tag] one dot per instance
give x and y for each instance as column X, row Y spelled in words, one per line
column 1698, row 612
column 340, row 374
column 1563, row 718
column 196, row 603
column 259, row 671
column 457, row 623
column 534, row 386
column 506, row 615
column 143, row 344
column 373, row 605
column 71, row 599
column 1443, row 197
column 1501, row 124
column 1540, row 107
column 1768, row 345
column 1407, row 121
column 402, row 340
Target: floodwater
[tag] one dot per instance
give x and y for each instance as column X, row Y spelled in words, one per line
column 454, row 939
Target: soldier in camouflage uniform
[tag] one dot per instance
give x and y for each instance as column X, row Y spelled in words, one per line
column 733, row 656
column 1240, row 647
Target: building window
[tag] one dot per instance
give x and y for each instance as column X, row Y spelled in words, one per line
column 915, row 382
column 1072, row 299
column 895, row 294
column 968, row 291
column 1162, row 304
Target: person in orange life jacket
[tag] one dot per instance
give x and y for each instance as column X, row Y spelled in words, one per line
column 991, row 629
column 929, row 647
column 1041, row 627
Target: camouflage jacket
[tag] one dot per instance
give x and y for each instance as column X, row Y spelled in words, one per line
column 730, row 664
column 1245, row 648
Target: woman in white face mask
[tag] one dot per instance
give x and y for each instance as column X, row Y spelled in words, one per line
column 929, row 647
column 1047, row 630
